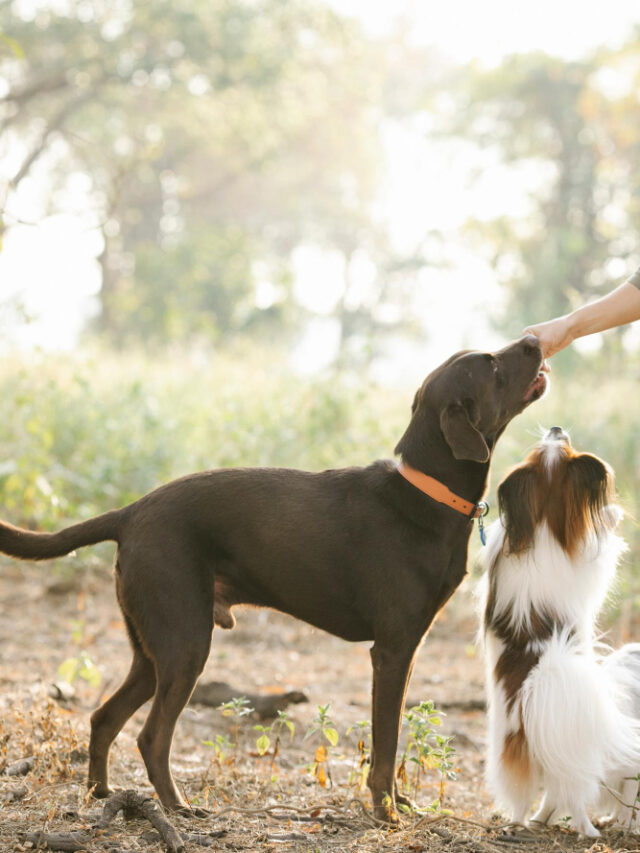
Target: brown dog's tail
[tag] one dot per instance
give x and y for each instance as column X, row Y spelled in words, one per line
column 27, row 545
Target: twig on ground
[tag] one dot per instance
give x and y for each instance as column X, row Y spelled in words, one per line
column 68, row 842
column 429, row 819
column 309, row 810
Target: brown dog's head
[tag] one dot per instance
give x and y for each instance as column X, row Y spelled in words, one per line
column 466, row 403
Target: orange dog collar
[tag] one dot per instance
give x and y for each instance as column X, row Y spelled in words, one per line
column 439, row 492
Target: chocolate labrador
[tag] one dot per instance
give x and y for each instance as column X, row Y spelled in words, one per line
column 364, row 553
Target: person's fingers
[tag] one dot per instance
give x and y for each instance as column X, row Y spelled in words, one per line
column 537, row 331
column 545, row 345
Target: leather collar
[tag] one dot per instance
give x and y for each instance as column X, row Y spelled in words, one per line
column 439, row 492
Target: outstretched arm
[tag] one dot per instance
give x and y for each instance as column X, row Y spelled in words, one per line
column 620, row 306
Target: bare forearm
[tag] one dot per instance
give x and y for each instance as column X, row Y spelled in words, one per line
column 620, row 306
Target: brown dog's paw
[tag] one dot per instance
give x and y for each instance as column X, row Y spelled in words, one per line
column 386, row 811
column 98, row 791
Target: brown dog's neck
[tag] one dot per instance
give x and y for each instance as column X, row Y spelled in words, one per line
column 464, row 478
column 429, row 453
column 424, row 448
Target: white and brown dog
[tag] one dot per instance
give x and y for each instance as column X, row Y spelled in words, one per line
column 559, row 717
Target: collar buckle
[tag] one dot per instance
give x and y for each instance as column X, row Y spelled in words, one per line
column 480, row 510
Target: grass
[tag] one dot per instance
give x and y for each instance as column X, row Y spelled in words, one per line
column 82, row 434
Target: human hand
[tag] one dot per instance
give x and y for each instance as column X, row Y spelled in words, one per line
column 554, row 335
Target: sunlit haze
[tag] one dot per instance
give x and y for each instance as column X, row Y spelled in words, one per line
column 49, row 264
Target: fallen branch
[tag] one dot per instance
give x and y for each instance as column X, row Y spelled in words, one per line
column 68, row 842
column 15, row 795
column 131, row 804
column 22, row 767
column 462, row 705
column 286, row 836
column 265, row 705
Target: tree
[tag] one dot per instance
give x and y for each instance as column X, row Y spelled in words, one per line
column 217, row 136
column 564, row 119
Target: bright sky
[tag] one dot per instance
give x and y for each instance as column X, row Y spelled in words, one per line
column 488, row 30
column 52, row 267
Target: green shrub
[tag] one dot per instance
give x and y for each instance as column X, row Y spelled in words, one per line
column 80, row 435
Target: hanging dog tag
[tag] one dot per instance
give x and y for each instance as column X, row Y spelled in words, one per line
column 485, row 509
column 481, row 530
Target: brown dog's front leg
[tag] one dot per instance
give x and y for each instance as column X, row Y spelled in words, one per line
column 391, row 671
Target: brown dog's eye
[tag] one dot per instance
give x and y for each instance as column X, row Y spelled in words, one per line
column 499, row 376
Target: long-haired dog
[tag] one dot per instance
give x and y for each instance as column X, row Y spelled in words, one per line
column 558, row 718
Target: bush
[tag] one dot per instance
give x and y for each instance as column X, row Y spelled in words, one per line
column 82, row 435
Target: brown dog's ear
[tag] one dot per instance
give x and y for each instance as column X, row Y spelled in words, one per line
column 465, row 441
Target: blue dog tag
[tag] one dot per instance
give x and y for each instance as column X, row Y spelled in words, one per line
column 483, row 535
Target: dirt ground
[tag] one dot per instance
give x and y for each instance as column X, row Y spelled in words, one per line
column 256, row 804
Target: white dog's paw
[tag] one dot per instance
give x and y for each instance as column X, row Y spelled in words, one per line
column 583, row 826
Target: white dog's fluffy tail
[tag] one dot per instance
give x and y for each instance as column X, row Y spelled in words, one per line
column 575, row 727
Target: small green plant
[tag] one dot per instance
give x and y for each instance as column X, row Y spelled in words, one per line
column 236, row 708
column 222, row 749
column 264, row 741
column 445, row 753
column 325, row 731
column 275, row 730
column 81, row 666
column 426, row 750
column 358, row 775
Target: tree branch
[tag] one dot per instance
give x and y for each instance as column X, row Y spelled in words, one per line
column 55, row 124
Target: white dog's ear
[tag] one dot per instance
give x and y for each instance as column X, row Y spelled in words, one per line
column 612, row 515
column 520, row 505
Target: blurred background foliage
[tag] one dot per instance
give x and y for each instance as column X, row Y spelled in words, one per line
column 213, row 141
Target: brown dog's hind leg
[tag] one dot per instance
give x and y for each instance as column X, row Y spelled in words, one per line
column 167, row 596
column 109, row 718
column 176, row 680
column 391, row 672
column 178, row 639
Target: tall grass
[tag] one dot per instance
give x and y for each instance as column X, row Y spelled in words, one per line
column 81, row 435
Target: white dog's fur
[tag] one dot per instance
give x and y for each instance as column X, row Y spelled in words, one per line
column 559, row 717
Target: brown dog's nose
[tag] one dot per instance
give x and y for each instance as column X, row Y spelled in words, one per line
column 531, row 345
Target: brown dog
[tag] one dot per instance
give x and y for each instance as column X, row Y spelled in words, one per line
column 359, row 552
